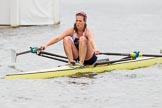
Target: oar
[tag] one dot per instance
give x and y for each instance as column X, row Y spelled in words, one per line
column 24, row 52
column 51, row 54
column 14, row 54
column 38, row 52
column 54, row 58
column 133, row 55
column 110, row 62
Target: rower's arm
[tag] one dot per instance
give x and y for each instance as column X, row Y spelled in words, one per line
column 92, row 41
column 58, row 37
column 55, row 39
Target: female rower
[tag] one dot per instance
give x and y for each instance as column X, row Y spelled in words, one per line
column 78, row 41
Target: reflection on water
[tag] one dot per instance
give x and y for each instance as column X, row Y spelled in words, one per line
column 87, row 75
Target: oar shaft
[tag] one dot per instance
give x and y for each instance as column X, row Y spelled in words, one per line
column 32, row 50
column 23, row 52
column 55, row 58
column 118, row 54
column 51, row 54
column 114, row 61
column 150, row 55
column 132, row 54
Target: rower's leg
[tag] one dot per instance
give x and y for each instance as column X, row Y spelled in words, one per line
column 85, row 49
column 70, row 49
column 82, row 49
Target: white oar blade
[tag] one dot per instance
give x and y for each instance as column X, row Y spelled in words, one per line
column 161, row 51
column 13, row 56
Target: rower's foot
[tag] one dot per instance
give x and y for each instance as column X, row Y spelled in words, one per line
column 73, row 63
column 81, row 65
column 76, row 64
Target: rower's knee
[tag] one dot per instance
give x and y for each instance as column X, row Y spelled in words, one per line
column 83, row 40
column 67, row 40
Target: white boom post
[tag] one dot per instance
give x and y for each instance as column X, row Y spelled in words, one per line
column 14, row 13
column 56, row 11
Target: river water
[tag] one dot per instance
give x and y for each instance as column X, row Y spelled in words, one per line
column 118, row 26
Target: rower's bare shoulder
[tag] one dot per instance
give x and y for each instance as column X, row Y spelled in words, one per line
column 88, row 31
column 69, row 31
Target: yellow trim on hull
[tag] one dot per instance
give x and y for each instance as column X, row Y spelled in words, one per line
column 68, row 71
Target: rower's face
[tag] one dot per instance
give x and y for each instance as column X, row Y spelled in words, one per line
column 80, row 22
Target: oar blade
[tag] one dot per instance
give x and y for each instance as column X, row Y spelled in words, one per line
column 161, row 51
column 13, row 56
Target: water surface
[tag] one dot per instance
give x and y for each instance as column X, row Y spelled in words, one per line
column 118, row 26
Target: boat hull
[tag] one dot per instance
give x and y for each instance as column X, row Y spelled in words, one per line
column 68, row 71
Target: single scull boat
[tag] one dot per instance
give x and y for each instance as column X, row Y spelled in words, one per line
column 103, row 67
